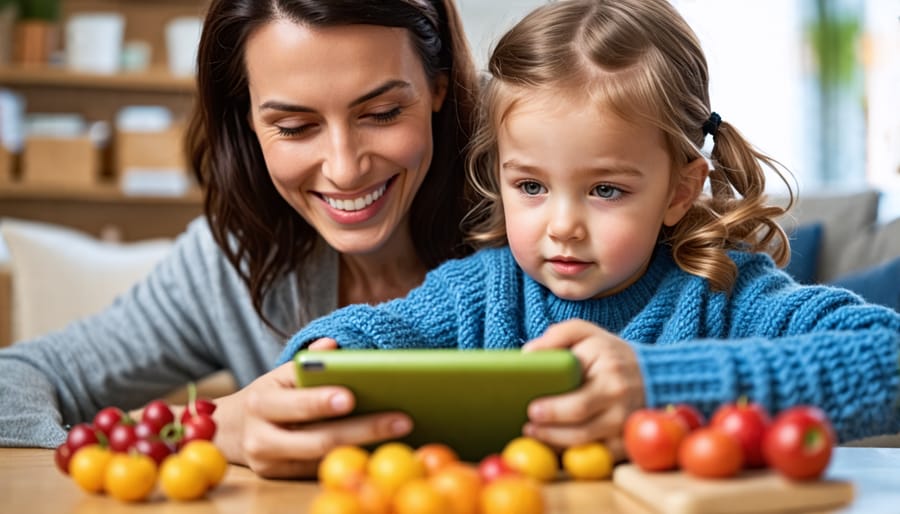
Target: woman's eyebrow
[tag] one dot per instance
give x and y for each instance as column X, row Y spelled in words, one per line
column 378, row 91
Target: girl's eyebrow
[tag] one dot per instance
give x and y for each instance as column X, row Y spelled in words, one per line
column 625, row 169
column 378, row 91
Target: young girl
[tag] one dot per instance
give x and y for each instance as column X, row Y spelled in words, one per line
column 604, row 239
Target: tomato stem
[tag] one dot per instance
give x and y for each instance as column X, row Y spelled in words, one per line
column 192, row 398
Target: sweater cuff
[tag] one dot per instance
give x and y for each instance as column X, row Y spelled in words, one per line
column 681, row 374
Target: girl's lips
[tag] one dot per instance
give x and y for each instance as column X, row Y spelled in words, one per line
column 568, row 266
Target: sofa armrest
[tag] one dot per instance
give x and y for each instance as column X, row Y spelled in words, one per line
column 5, row 305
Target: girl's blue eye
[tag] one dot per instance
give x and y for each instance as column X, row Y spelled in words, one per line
column 386, row 117
column 607, row 192
column 531, row 188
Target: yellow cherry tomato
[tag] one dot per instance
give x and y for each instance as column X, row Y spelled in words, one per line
column 512, row 495
column 531, row 458
column 182, row 479
column 435, row 456
column 206, row 455
column 461, row 486
column 419, row 496
column 130, row 477
column 342, row 467
column 392, row 465
column 590, row 461
column 335, row 501
column 88, row 467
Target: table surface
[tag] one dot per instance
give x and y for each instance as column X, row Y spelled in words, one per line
column 30, row 483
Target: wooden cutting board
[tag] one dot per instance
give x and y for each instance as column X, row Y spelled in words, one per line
column 760, row 491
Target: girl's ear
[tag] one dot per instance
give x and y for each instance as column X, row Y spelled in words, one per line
column 691, row 178
column 440, row 92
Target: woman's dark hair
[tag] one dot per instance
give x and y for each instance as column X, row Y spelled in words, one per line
column 260, row 233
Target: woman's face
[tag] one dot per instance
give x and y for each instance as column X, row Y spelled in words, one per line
column 343, row 116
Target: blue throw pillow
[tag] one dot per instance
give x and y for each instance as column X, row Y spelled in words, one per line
column 878, row 284
column 805, row 243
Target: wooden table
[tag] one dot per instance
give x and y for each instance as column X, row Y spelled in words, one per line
column 31, row 484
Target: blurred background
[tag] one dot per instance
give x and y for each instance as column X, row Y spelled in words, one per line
column 94, row 95
column 813, row 83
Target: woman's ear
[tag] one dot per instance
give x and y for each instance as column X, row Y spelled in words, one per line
column 250, row 121
column 690, row 179
column 440, row 92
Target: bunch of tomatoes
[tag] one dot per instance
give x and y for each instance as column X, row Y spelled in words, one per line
column 123, row 457
column 797, row 443
column 398, row 479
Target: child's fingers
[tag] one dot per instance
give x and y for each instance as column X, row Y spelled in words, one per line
column 326, row 343
column 562, row 335
column 599, row 428
column 574, row 407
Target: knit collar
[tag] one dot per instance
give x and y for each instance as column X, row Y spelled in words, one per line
column 611, row 312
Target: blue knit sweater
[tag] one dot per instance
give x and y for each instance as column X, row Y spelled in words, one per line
column 775, row 341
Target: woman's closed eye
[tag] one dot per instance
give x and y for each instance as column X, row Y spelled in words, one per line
column 386, row 116
column 293, row 131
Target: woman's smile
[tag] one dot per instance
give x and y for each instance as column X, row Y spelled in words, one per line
column 349, row 208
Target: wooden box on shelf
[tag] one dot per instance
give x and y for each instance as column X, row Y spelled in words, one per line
column 157, row 150
column 7, row 165
column 56, row 161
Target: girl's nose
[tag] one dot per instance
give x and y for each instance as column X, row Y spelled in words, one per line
column 566, row 222
column 345, row 163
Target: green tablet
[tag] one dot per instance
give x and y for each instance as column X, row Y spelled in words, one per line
column 475, row 401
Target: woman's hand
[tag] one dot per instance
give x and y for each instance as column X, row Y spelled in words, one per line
column 279, row 430
column 596, row 411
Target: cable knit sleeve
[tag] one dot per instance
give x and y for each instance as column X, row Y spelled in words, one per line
column 781, row 344
column 434, row 315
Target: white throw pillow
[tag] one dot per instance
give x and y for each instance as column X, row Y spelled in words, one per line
column 60, row 274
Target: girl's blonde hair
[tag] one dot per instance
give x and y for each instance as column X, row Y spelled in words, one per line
column 640, row 59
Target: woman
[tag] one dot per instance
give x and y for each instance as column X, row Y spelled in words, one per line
column 329, row 138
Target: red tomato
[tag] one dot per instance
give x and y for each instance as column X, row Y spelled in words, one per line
column 122, row 438
column 107, row 418
column 153, row 448
column 62, row 456
column 199, row 426
column 689, row 414
column 799, row 442
column 198, row 406
column 709, row 452
column 157, row 414
column 747, row 422
column 82, row 434
column 652, row 438
column 492, row 467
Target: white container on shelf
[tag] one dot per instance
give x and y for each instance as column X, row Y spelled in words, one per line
column 94, row 42
column 182, row 40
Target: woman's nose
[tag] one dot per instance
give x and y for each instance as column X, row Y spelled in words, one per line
column 346, row 162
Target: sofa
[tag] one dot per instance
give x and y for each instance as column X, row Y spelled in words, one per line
column 837, row 239
column 50, row 275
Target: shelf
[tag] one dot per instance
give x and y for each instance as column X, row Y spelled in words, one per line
column 157, row 80
column 103, row 192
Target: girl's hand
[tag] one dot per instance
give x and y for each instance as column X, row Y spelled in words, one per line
column 596, row 411
column 281, row 431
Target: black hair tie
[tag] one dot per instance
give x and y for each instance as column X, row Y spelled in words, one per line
column 711, row 125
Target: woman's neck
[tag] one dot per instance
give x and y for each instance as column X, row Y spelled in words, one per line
column 388, row 273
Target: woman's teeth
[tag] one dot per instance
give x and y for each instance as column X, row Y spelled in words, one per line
column 355, row 204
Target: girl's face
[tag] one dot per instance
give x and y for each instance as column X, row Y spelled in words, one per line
column 343, row 116
column 584, row 194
